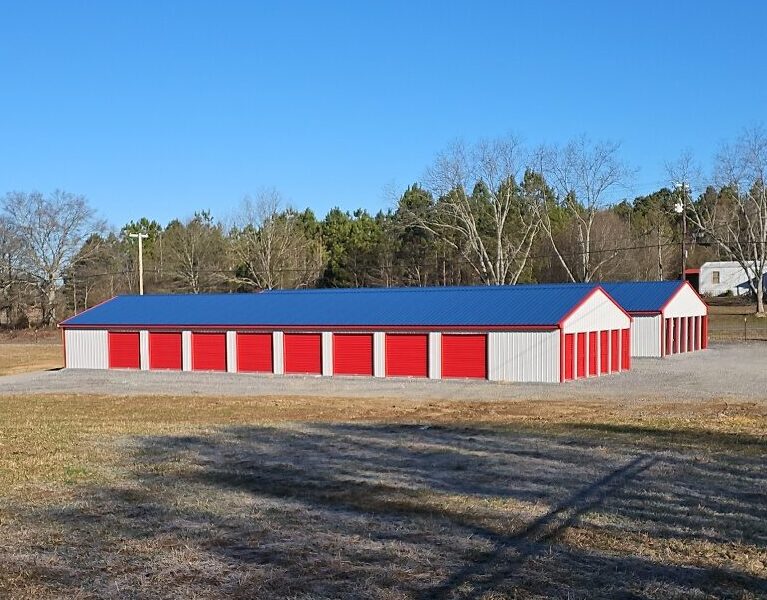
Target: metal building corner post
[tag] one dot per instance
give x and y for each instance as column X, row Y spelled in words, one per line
column 379, row 354
column 186, row 350
column 326, row 353
column 435, row 355
column 143, row 349
column 231, row 351
column 278, row 352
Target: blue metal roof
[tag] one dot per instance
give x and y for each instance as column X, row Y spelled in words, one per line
column 536, row 305
column 642, row 296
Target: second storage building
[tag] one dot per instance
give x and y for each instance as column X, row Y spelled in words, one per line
column 669, row 316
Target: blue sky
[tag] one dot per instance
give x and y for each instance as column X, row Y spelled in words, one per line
column 162, row 108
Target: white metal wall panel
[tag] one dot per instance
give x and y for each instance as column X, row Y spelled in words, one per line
column 645, row 336
column 231, row 351
column 86, row 348
column 685, row 303
column 278, row 352
column 435, row 355
column 596, row 313
column 327, row 353
column 186, row 350
column 524, row 356
column 379, row 354
column 143, row 345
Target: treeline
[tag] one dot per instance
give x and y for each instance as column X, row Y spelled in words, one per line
column 487, row 213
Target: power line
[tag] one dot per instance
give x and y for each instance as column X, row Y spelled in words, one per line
column 288, row 270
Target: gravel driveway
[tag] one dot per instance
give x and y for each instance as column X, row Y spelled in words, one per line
column 735, row 371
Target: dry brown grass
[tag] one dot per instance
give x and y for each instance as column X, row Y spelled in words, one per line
column 21, row 358
column 325, row 497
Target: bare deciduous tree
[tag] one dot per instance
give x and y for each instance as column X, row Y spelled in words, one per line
column 196, row 252
column 271, row 247
column 583, row 173
column 494, row 229
column 736, row 218
column 10, row 246
column 51, row 231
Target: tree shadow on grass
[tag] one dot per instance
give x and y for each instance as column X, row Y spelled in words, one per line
column 398, row 511
column 741, row 442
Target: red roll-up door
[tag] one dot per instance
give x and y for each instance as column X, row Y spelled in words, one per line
column 615, row 350
column 124, row 350
column 165, row 350
column 593, row 356
column 208, row 351
column 604, row 351
column 254, row 353
column 569, row 355
column 696, row 337
column 682, row 334
column 303, row 353
column 353, row 354
column 581, row 355
column 464, row 356
column 669, row 337
column 704, row 332
column 691, row 334
column 407, row 355
column 626, row 349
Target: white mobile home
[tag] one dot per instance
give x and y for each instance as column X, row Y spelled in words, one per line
column 720, row 277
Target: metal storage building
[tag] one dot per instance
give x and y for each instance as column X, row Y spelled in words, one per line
column 534, row 333
column 669, row 316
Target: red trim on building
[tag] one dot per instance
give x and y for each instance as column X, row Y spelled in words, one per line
column 321, row 328
column 82, row 312
column 626, row 349
column 583, row 300
column 64, row 346
column 678, row 290
column 562, row 355
column 623, row 310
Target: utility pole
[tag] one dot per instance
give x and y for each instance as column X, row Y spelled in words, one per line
column 681, row 208
column 141, row 237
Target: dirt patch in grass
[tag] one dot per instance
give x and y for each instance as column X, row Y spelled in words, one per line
column 309, row 497
column 24, row 357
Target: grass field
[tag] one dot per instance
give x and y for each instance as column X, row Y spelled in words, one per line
column 330, row 498
column 20, row 358
column 312, row 497
column 732, row 320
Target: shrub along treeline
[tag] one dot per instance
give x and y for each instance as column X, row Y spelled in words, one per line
column 482, row 215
